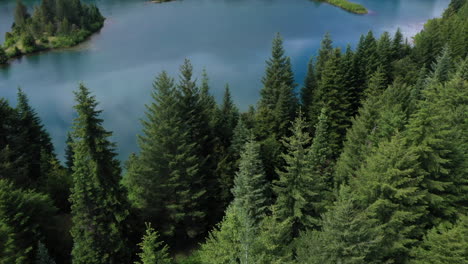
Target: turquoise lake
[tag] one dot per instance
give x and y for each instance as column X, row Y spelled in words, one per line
column 230, row 38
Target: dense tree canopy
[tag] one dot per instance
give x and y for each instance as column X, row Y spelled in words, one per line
column 367, row 164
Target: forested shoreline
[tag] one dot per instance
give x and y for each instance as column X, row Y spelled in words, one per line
column 364, row 163
column 53, row 24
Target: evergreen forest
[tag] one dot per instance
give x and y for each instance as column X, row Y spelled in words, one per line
column 52, row 24
column 366, row 162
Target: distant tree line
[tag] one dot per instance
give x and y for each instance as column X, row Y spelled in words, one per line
column 366, row 164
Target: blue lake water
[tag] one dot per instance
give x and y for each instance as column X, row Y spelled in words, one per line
column 230, row 38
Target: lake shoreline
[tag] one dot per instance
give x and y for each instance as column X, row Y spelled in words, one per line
column 49, row 49
column 346, row 5
column 43, row 49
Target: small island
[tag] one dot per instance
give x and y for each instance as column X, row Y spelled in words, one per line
column 348, row 6
column 53, row 24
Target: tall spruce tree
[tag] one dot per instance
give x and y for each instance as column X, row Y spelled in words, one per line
column 277, row 106
column 250, row 185
column 398, row 47
column 159, row 179
column 69, row 152
column 325, row 52
column 198, row 170
column 444, row 244
column 98, row 205
column 334, row 96
column 234, row 240
column 32, row 143
column 388, row 186
column 436, row 131
column 321, row 165
column 226, row 121
column 27, row 217
column 278, row 88
column 153, row 251
column 295, row 189
column 309, row 89
column 347, row 236
column 350, row 70
column 385, row 59
column 383, row 112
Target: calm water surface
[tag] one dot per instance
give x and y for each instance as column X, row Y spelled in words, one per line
column 230, row 38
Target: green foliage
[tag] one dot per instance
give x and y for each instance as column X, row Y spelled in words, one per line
column 309, row 89
column 277, row 105
column 42, row 255
column 436, row 131
column 235, row 238
column 3, row 56
column 25, row 218
column 98, row 206
column 348, row 6
column 153, row 251
column 348, row 235
column 444, row 244
column 450, row 30
column 382, row 114
column 334, row 96
column 250, row 185
column 388, row 185
column 227, row 118
column 296, row 188
column 53, row 24
column 321, row 164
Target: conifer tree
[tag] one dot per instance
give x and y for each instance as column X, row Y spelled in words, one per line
column 69, row 153
column 3, row 56
column 7, row 247
column 32, row 143
column 348, row 235
column 295, row 189
column 388, row 185
column 334, row 96
column 198, row 170
column 398, row 48
column 153, row 251
column 309, row 89
column 277, row 106
column 321, row 164
column 274, row 242
column 42, row 255
column 442, row 68
column 26, row 218
column 444, row 244
column 153, row 168
column 436, row 132
column 277, row 95
column 350, row 70
column 226, row 120
column 250, row 185
column 235, row 239
column 21, row 14
column 325, row 52
column 366, row 59
column 98, row 206
column 380, row 116
column 384, row 51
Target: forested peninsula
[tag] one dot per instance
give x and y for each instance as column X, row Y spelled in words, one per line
column 366, row 163
column 52, row 24
column 348, row 6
